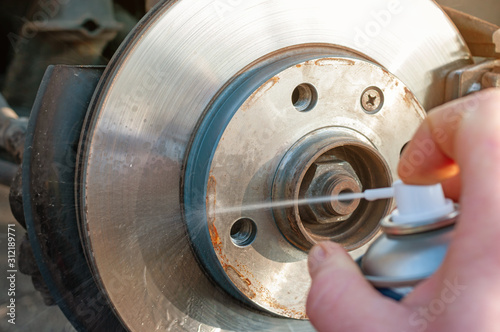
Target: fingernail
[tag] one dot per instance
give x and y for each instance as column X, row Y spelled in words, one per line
column 316, row 256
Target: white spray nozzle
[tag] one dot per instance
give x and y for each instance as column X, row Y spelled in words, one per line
column 420, row 203
column 414, row 203
column 380, row 193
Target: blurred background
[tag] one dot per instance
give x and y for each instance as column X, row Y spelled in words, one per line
column 31, row 313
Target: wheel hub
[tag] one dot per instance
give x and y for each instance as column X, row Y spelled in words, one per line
column 298, row 136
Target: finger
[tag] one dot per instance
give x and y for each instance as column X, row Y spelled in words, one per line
column 478, row 154
column 424, row 160
column 463, row 136
column 430, row 157
column 471, row 266
column 452, row 187
column 340, row 296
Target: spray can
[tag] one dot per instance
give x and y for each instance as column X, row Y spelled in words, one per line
column 415, row 239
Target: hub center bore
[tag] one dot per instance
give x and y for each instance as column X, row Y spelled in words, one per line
column 328, row 162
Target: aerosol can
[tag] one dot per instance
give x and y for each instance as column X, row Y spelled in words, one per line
column 415, row 237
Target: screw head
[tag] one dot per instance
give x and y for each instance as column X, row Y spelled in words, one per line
column 372, row 100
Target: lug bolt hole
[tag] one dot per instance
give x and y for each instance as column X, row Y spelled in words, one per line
column 403, row 148
column 304, row 97
column 243, row 232
column 90, row 25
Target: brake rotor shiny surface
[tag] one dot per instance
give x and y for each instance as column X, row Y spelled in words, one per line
column 182, row 71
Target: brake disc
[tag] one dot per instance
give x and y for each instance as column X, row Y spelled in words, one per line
column 211, row 107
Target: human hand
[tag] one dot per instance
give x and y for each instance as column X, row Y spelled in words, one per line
column 458, row 145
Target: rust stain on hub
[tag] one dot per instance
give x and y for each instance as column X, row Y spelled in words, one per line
column 240, row 281
column 259, row 93
column 328, row 61
column 211, row 201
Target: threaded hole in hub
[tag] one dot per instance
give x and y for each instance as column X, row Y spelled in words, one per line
column 344, row 192
column 243, row 232
column 90, row 25
column 403, row 148
column 304, row 97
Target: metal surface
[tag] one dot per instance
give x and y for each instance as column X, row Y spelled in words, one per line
column 12, row 131
column 29, row 303
column 423, row 226
column 154, row 112
column 16, row 197
column 405, row 260
column 7, row 172
column 483, row 38
column 48, row 199
column 473, row 78
column 408, row 252
column 488, row 10
column 282, row 150
column 12, row 136
column 56, row 32
column 396, row 282
column 491, row 79
column 151, row 3
column 348, row 145
column 372, row 99
column 329, row 176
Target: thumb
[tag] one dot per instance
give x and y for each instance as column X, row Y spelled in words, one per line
column 340, row 298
